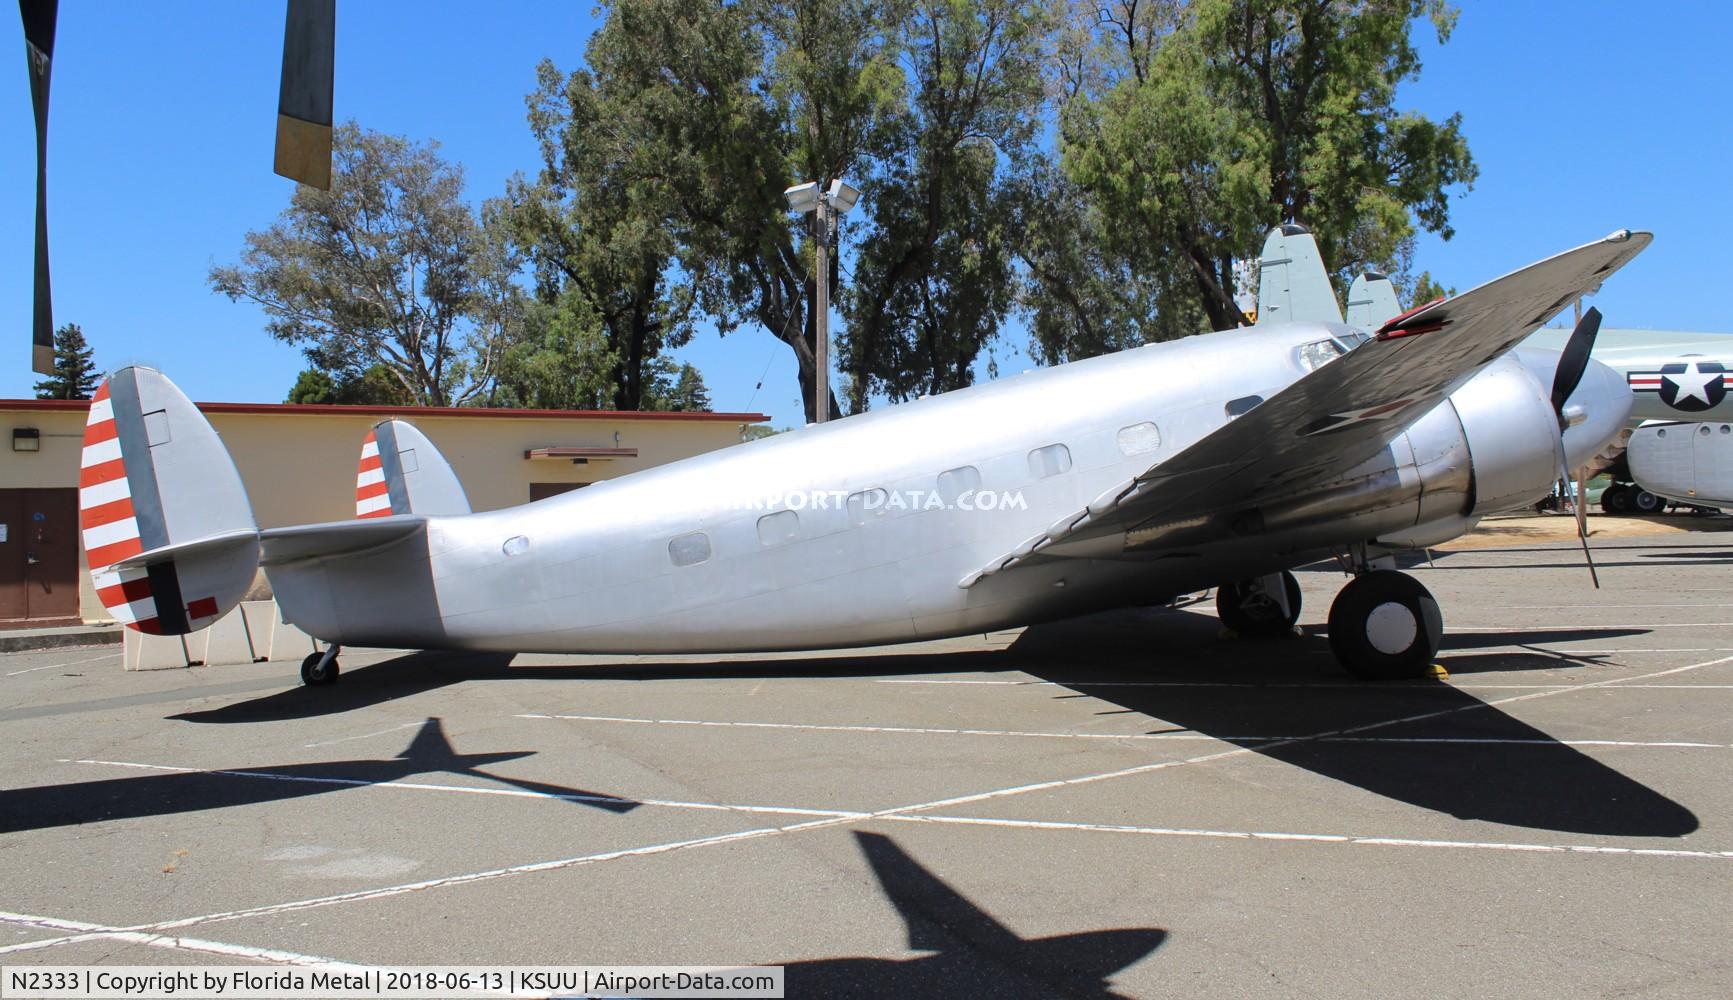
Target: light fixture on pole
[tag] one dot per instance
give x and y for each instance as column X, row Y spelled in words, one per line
column 825, row 204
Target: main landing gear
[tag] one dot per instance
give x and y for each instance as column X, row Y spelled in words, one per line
column 1385, row 626
column 320, row 669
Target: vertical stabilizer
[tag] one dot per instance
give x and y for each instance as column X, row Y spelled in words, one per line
column 1293, row 286
column 402, row 472
column 167, row 530
column 1372, row 301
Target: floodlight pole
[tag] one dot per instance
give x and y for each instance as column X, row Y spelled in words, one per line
column 821, row 361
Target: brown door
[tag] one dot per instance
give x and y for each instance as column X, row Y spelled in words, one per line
column 39, row 556
column 14, row 599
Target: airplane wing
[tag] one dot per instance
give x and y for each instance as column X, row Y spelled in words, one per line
column 1342, row 413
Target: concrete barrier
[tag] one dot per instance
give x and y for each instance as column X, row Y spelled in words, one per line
column 154, row 652
column 287, row 641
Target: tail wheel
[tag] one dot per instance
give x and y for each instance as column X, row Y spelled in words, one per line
column 316, row 672
column 1385, row 626
column 1252, row 612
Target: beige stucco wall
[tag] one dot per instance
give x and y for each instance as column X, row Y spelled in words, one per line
column 299, row 467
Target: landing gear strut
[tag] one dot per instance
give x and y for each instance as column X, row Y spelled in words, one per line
column 1264, row 607
column 1385, row 626
column 319, row 669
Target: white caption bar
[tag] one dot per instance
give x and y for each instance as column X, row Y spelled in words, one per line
column 373, row 983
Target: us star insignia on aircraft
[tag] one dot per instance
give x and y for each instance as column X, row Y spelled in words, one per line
column 1689, row 386
column 1348, row 418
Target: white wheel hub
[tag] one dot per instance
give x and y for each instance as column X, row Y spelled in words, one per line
column 1391, row 628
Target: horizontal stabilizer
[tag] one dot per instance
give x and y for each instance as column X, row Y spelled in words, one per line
column 335, row 538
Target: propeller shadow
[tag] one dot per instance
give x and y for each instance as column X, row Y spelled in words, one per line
column 973, row 954
column 167, row 793
column 1459, row 756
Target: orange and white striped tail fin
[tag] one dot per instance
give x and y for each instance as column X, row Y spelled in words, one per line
column 372, row 494
column 105, row 512
column 401, row 472
column 168, row 534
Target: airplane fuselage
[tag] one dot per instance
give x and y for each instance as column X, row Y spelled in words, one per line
column 860, row 531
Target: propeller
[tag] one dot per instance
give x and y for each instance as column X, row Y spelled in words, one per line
column 303, row 151
column 1572, row 363
column 39, row 17
column 304, row 99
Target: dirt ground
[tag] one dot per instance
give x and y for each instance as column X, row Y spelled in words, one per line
column 1522, row 529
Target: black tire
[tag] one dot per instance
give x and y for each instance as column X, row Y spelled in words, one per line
column 1616, row 500
column 1254, row 616
column 312, row 676
column 1385, row 626
column 1644, row 502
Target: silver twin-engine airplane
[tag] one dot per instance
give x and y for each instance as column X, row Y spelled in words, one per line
column 1221, row 460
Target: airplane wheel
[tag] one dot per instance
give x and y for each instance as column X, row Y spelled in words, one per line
column 312, row 676
column 1616, row 500
column 1644, row 502
column 1241, row 607
column 1385, row 626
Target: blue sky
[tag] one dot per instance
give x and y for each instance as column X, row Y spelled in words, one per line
column 1584, row 118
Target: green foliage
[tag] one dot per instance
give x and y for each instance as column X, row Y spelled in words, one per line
column 758, row 432
column 1426, row 289
column 676, row 389
column 374, row 387
column 385, row 269
column 75, row 375
column 1193, row 128
column 934, row 275
column 563, row 361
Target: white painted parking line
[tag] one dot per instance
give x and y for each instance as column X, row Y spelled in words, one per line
column 1319, row 838
column 102, row 932
column 365, row 736
column 1155, row 737
column 898, row 811
column 1581, row 627
column 73, row 663
column 521, row 793
column 488, row 875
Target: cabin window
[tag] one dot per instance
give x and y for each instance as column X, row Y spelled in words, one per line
column 778, row 528
column 953, row 483
column 1319, row 353
column 1049, row 461
column 1139, row 439
column 689, row 550
column 867, row 505
column 1352, row 339
column 1235, row 407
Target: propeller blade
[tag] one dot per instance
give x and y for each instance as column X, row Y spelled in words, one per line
column 304, row 99
column 1582, row 523
column 1574, row 360
column 39, row 17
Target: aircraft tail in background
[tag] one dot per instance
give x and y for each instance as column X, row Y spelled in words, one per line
column 1293, row 286
column 168, row 532
column 402, row 472
column 1372, row 301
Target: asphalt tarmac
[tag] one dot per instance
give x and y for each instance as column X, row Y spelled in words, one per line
column 1128, row 804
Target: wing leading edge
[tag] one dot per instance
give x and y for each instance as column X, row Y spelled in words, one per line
column 1341, row 414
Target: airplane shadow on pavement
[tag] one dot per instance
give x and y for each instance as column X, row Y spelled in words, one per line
column 972, row 953
column 413, row 673
column 1454, row 754
column 166, row 793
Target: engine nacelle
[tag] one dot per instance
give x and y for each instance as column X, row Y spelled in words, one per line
column 1512, row 433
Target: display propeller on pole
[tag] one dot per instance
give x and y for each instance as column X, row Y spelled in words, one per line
column 39, row 17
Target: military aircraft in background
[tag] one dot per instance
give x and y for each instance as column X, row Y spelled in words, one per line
column 1221, row 460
